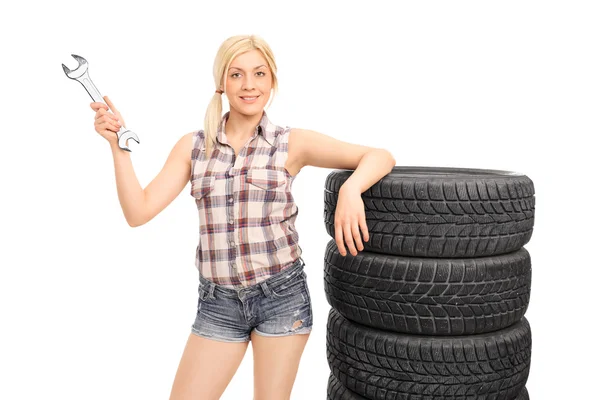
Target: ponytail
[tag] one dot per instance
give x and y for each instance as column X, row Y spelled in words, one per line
column 211, row 122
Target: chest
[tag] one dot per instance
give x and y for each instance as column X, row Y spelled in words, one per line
column 244, row 148
column 237, row 146
column 247, row 186
column 233, row 160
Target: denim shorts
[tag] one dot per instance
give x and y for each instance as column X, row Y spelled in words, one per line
column 272, row 307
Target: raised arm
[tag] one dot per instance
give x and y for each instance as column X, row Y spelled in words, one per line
column 141, row 205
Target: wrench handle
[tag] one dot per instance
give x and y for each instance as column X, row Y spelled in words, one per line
column 91, row 88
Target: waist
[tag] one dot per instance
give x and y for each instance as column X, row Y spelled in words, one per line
column 290, row 271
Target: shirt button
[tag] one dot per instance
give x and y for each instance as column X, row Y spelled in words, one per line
column 230, row 221
column 233, row 266
column 232, row 244
column 230, row 199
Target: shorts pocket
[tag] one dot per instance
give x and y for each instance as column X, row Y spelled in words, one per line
column 290, row 287
column 203, row 294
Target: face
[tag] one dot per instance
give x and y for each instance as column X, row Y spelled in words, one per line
column 249, row 83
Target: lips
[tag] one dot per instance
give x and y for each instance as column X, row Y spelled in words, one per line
column 249, row 99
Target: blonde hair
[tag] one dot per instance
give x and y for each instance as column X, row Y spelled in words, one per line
column 230, row 49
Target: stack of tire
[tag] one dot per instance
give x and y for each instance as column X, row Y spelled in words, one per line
column 433, row 307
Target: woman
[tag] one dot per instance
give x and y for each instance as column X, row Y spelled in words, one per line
column 252, row 280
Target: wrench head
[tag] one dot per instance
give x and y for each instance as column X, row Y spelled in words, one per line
column 124, row 136
column 80, row 70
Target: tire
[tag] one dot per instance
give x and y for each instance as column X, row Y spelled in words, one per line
column 377, row 364
column 428, row 296
column 337, row 391
column 524, row 395
column 442, row 212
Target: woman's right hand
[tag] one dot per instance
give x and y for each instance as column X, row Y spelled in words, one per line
column 107, row 124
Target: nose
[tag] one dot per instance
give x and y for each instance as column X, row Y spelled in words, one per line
column 248, row 83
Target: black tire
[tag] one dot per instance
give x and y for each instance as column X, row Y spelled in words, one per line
column 337, row 391
column 524, row 395
column 442, row 212
column 428, row 296
column 378, row 364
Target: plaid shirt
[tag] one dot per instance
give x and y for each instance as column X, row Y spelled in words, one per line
column 245, row 206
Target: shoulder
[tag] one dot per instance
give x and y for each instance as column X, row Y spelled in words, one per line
column 295, row 144
column 185, row 146
column 197, row 135
column 295, row 132
column 297, row 137
column 196, row 138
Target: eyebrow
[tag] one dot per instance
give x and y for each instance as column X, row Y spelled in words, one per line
column 242, row 69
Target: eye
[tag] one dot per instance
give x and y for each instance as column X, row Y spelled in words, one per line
column 261, row 72
column 234, row 74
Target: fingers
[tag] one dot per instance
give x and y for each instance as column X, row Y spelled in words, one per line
column 110, row 104
column 364, row 229
column 348, row 238
column 102, row 110
column 339, row 237
column 120, row 118
column 110, row 111
column 107, row 124
column 114, row 126
column 349, row 233
column 356, row 236
column 96, row 105
column 105, row 121
column 102, row 114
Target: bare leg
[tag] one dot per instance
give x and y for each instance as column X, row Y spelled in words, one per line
column 276, row 361
column 206, row 368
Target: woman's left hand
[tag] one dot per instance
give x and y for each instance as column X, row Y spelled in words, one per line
column 349, row 217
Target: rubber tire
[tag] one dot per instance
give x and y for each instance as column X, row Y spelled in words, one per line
column 442, row 212
column 428, row 296
column 337, row 391
column 377, row 364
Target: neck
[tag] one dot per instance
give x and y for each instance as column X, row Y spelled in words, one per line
column 239, row 126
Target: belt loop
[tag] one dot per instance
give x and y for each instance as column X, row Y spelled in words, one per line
column 265, row 288
column 211, row 290
column 303, row 269
column 300, row 265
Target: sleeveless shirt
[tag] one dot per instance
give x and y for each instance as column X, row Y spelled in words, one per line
column 245, row 206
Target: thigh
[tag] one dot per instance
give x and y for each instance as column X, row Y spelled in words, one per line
column 276, row 361
column 199, row 376
column 278, row 341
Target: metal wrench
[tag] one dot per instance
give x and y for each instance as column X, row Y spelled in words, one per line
column 80, row 74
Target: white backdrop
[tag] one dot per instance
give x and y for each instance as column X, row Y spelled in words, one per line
column 94, row 309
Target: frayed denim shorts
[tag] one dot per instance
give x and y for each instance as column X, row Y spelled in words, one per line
column 278, row 306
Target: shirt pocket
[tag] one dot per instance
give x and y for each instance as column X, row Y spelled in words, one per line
column 267, row 179
column 203, row 186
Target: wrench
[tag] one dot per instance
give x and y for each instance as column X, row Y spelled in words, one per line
column 80, row 74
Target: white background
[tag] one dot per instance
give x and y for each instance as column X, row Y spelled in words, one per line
column 94, row 309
